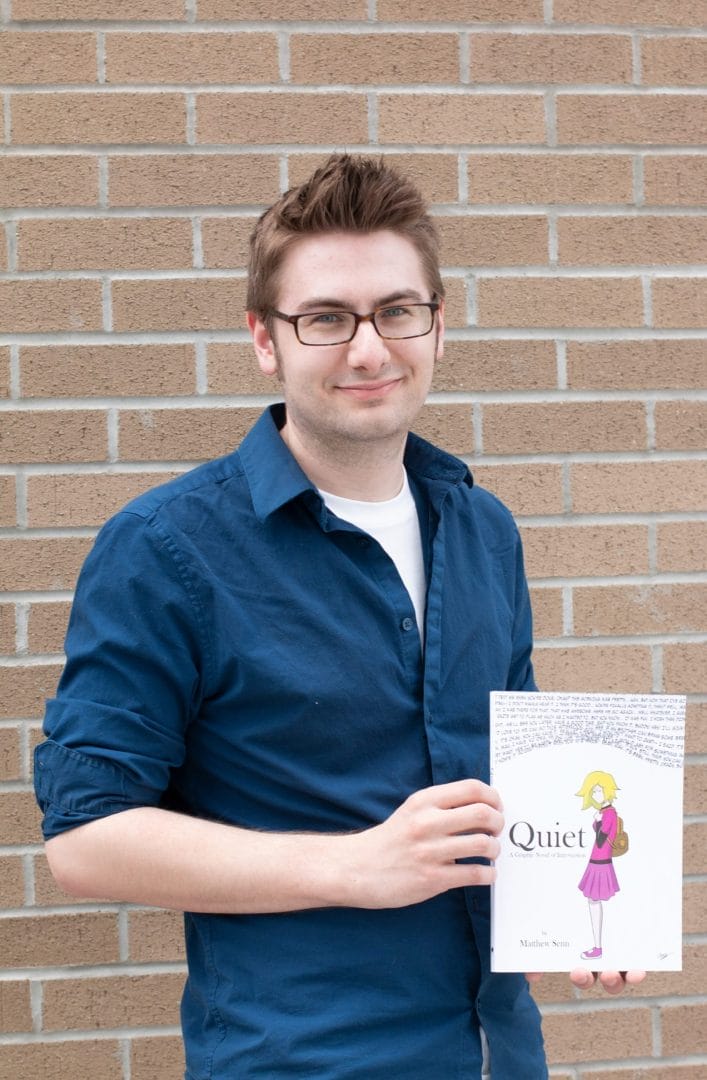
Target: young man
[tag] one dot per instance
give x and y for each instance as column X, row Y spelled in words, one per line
column 274, row 713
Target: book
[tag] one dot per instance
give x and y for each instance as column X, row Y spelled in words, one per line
column 590, row 868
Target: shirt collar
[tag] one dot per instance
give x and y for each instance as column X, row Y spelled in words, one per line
column 275, row 478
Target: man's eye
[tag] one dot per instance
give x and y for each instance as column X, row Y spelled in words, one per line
column 324, row 318
column 397, row 312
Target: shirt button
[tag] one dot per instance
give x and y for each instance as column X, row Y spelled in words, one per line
column 407, row 624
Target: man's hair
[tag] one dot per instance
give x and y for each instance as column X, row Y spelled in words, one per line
column 346, row 194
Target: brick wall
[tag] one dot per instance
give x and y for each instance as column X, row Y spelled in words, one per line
column 559, row 142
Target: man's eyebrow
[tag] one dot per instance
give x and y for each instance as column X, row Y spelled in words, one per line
column 319, row 303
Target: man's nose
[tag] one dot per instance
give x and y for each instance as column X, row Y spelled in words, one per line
column 367, row 348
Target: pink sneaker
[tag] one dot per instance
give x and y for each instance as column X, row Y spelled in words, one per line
column 591, row 954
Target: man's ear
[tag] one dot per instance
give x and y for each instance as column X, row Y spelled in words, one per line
column 439, row 352
column 263, row 344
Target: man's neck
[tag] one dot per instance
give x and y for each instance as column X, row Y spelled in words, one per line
column 366, row 472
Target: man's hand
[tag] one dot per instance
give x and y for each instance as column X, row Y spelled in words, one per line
column 613, row 982
column 412, row 856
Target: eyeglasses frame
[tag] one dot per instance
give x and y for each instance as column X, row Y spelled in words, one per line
column 433, row 305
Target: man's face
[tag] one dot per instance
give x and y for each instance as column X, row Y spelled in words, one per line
column 369, row 389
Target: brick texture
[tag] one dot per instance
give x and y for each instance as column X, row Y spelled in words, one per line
column 562, row 149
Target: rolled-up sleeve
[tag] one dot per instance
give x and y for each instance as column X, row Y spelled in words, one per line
column 136, row 653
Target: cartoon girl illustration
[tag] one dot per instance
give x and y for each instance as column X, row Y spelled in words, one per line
column 599, row 881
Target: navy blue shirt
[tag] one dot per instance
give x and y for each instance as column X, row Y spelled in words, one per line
column 238, row 653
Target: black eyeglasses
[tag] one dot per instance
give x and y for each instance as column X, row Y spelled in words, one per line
column 392, row 321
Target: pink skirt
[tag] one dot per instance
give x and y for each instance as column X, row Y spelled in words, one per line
column 599, row 881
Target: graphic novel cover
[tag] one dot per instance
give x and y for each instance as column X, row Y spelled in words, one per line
column 590, row 870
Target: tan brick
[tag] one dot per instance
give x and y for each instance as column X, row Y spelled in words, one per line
column 232, row 369
column 550, row 58
column 12, row 887
column 72, row 436
column 644, row 609
column 110, row 243
column 553, row 987
column 271, row 118
column 282, row 9
column 635, row 365
column 134, row 10
column 62, row 1060
column 10, row 761
column 46, row 890
column 179, row 304
column 191, row 58
column 631, row 119
column 15, row 1007
column 47, row 626
column 4, row 371
column 455, row 300
column 46, row 180
column 684, row 1029
column 58, row 940
column 436, row 175
column 631, row 12
column 30, row 307
column 682, row 545
column 679, row 302
column 695, row 775
column 447, row 426
column 696, row 728
column 361, row 58
column 225, row 241
column 461, row 11
column 107, row 370
column 496, row 365
column 99, row 117
column 585, row 550
column 695, row 847
column 606, row 1034
column 675, row 180
column 564, row 427
column 650, row 240
column 547, row 612
column 661, row 1071
column 636, row 487
column 47, row 57
column 594, row 668
column 156, row 1058
column 694, row 907
column 25, row 689
column 677, row 61
column 525, row 489
column 85, row 499
column 438, row 119
column 590, row 302
column 7, row 628
column 8, row 510
column 550, row 178
column 182, row 434
column 192, row 180
column 680, row 425
column 496, row 240
column 48, row 563
column 155, row 936
column 19, row 824
column 112, row 1001
column 685, row 671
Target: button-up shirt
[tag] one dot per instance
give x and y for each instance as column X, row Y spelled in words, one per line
column 238, row 653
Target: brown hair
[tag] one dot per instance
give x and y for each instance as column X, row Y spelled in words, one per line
column 346, row 194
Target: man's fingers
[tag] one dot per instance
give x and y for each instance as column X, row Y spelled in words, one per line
column 582, row 978
column 463, row 793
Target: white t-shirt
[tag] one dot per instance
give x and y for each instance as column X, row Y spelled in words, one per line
column 395, row 525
